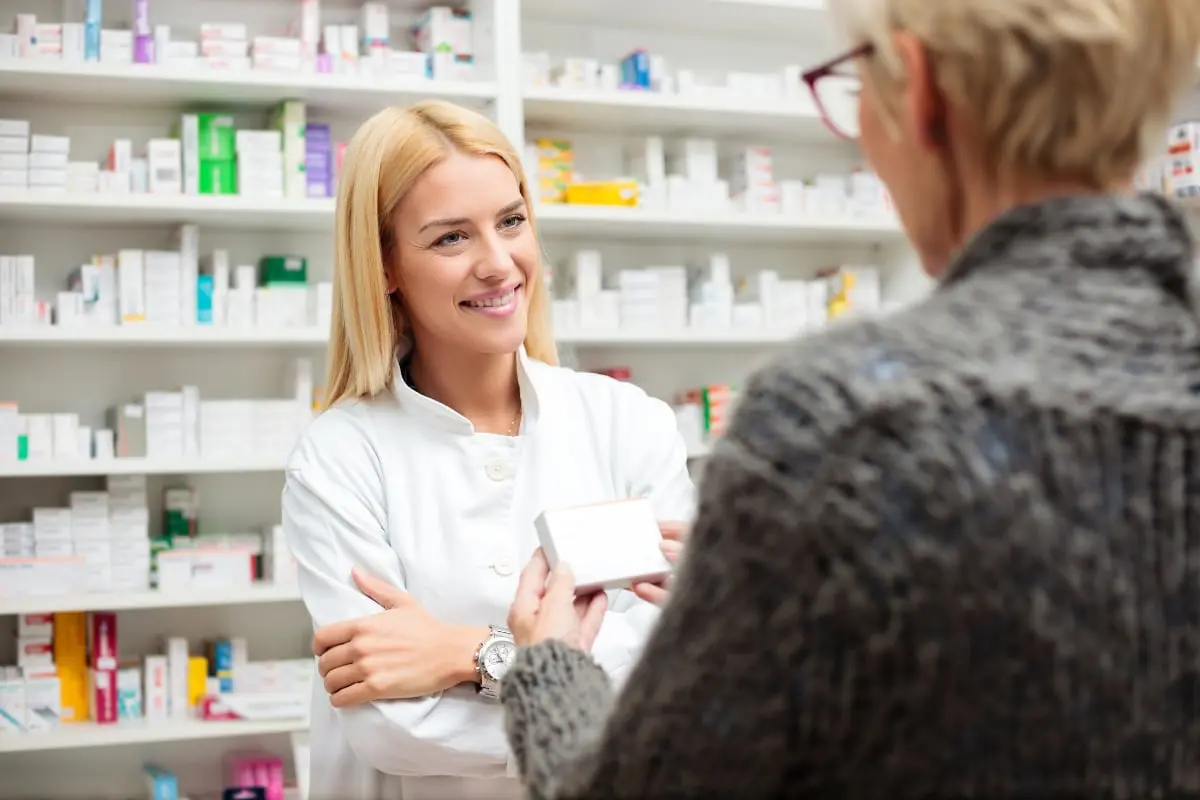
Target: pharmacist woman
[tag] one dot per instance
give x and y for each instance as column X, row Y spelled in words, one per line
column 410, row 501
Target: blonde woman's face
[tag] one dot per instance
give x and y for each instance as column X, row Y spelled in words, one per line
column 465, row 257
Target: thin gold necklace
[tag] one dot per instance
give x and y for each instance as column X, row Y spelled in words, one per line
column 515, row 427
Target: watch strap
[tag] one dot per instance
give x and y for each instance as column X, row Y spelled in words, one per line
column 488, row 686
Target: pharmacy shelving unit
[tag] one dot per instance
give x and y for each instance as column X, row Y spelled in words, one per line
column 86, row 371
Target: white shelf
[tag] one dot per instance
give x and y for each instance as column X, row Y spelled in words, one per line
column 87, row 734
column 147, row 335
column 139, row 466
column 788, row 20
column 554, row 219
column 228, row 211
column 650, row 112
column 612, row 222
column 633, row 337
column 126, row 601
column 146, row 84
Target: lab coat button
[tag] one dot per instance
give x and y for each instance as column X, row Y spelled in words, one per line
column 497, row 470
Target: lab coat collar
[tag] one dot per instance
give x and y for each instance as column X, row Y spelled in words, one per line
column 435, row 413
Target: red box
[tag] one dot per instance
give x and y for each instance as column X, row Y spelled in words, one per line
column 102, row 640
column 104, row 696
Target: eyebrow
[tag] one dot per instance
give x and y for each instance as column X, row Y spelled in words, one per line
column 447, row 223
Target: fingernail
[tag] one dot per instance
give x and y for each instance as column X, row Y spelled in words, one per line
column 670, row 546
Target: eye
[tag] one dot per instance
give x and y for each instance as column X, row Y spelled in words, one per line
column 450, row 239
column 512, row 221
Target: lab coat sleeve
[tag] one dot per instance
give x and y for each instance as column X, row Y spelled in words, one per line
column 651, row 461
column 335, row 518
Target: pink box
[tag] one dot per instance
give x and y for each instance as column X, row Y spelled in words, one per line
column 104, row 696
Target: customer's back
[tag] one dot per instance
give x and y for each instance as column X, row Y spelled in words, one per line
column 997, row 566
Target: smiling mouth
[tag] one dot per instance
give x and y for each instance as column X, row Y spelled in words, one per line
column 494, row 302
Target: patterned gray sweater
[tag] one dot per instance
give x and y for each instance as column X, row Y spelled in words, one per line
column 954, row 552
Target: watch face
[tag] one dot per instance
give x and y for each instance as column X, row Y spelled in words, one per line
column 498, row 658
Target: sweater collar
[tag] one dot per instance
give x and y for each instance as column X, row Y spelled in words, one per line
column 446, row 418
column 1103, row 232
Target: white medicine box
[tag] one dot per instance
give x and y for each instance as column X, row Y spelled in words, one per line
column 607, row 545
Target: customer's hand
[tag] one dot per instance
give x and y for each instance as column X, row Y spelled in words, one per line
column 399, row 653
column 549, row 610
column 674, row 537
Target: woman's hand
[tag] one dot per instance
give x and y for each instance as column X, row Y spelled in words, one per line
column 545, row 610
column 401, row 652
column 674, row 537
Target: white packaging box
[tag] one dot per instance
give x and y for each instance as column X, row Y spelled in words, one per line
column 221, row 30
column 41, row 143
column 164, row 424
column 39, row 432
column 39, row 576
column 37, row 624
column 607, row 545
column 12, row 704
column 155, row 688
column 215, row 48
column 43, row 702
column 35, row 651
column 73, row 47
column 14, row 144
column 187, row 240
column 164, row 161
column 131, row 286
column 163, row 286
column 214, row 569
column 177, row 676
column 66, row 436
column 14, row 127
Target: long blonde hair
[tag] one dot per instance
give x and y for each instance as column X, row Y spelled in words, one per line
column 384, row 159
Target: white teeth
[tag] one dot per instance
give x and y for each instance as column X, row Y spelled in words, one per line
column 493, row 302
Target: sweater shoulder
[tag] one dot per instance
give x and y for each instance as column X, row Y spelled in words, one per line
column 843, row 380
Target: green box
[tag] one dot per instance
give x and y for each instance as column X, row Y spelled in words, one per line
column 276, row 270
column 218, row 177
column 217, row 138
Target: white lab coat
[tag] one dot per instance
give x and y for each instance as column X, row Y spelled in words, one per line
column 402, row 486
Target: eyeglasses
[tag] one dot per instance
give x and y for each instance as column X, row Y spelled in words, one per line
column 835, row 86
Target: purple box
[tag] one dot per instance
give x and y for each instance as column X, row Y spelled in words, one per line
column 318, row 162
column 316, row 133
column 320, row 187
column 141, row 18
column 143, row 50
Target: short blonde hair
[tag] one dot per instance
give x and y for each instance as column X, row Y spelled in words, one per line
column 1062, row 89
column 385, row 158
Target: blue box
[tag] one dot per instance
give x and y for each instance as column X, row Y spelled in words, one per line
column 635, row 70
column 204, row 299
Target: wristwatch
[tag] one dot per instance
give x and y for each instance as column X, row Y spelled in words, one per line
column 493, row 659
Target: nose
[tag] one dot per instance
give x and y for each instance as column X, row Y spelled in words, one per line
column 495, row 259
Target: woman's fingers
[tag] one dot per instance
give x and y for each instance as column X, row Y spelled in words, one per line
column 671, row 548
column 338, row 656
column 651, row 593
column 674, row 531
column 343, row 677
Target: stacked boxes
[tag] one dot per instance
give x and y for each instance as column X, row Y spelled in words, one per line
column 290, row 119
column 318, row 160
column 1182, row 173
column 14, row 153
column 555, row 169
column 209, row 154
column 446, row 36
column 260, row 163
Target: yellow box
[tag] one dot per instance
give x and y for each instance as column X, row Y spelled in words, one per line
column 558, row 149
column 197, row 680
column 552, row 191
column 603, row 193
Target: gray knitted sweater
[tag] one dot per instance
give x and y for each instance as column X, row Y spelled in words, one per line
column 954, row 552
